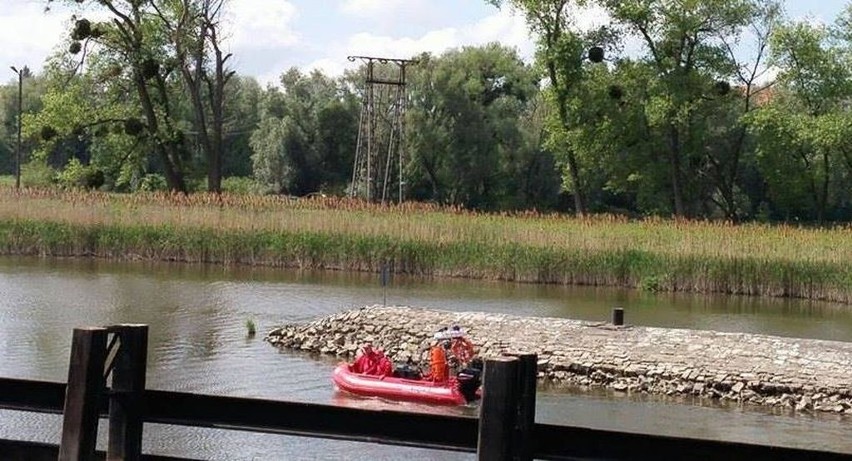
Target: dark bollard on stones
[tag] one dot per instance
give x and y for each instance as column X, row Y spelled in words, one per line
column 618, row 316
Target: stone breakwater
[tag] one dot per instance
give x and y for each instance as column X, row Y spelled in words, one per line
column 800, row 374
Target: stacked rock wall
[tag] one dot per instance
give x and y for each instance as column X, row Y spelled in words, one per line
column 804, row 374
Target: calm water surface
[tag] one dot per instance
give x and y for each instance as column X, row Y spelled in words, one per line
column 197, row 316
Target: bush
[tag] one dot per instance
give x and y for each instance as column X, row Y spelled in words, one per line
column 652, row 283
column 79, row 176
column 37, row 173
column 152, row 182
column 241, row 186
column 195, row 184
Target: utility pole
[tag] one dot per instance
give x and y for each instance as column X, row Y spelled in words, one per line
column 20, row 115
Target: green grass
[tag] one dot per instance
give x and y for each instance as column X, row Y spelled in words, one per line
column 656, row 255
column 251, row 328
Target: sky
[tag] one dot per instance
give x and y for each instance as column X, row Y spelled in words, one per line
column 267, row 37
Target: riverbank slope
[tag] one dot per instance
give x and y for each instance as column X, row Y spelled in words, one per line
column 801, row 374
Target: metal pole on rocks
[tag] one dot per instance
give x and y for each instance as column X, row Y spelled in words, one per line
column 618, row 316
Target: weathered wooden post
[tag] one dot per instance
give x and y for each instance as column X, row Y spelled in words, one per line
column 618, row 316
column 527, row 379
column 82, row 396
column 127, row 392
column 498, row 412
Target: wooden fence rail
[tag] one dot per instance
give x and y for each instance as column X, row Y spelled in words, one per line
column 398, row 428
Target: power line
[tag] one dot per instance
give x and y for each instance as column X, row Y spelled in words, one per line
column 380, row 150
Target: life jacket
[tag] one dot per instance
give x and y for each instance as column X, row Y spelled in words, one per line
column 361, row 364
column 438, row 364
column 373, row 362
column 462, row 350
column 366, row 362
column 384, row 367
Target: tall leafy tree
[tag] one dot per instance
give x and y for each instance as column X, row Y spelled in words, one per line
column 158, row 46
column 467, row 144
column 730, row 148
column 195, row 32
column 85, row 118
column 134, row 41
column 531, row 175
column 306, row 138
column 684, row 43
column 241, row 118
column 561, row 52
column 804, row 147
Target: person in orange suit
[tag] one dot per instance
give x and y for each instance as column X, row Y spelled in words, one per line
column 438, row 361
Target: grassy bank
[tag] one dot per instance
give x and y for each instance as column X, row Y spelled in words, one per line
column 419, row 239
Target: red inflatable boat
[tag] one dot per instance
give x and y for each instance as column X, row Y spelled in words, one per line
column 397, row 388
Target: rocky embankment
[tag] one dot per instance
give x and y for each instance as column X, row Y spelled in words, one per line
column 801, row 374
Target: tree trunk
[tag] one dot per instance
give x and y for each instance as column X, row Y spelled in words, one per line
column 167, row 151
column 217, row 105
column 675, row 171
column 826, row 171
column 573, row 168
column 579, row 199
column 209, row 126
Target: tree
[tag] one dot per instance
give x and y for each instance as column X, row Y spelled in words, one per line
column 162, row 43
column 803, row 144
column 85, row 121
column 242, row 116
column 194, row 28
column 306, row 138
column 561, row 52
column 134, row 41
column 730, row 143
column 684, row 42
column 465, row 136
column 271, row 164
column 530, row 172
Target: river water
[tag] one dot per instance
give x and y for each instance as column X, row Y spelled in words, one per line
column 198, row 343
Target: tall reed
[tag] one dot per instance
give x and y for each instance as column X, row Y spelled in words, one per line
column 813, row 263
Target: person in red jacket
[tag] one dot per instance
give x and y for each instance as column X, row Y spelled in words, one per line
column 372, row 362
column 384, row 367
column 366, row 360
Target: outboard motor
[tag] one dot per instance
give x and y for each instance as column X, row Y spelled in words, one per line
column 470, row 379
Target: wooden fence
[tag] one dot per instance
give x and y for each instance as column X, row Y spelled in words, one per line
column 505, row 429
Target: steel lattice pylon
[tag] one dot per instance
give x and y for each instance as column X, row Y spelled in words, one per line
column 380, row 153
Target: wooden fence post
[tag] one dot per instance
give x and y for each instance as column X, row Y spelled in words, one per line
column 498, row 412
column 83, row 395
column 127, row 392
column 527, row 379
